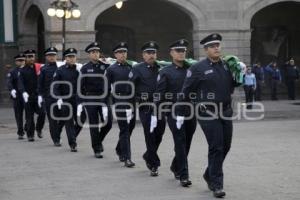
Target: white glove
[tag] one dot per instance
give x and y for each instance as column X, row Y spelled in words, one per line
column 179, row 121
column 59, row 103
column 13, row 93
column 105, row 112
column 40, row 101
column 153, row 123
column 79, row 110
column 129, row 115
column 25, row 96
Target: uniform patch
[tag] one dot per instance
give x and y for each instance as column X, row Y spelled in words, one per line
column 130, row 75
column 8, row 75
column 90, row 70
column 189, row 73
column 102, row 67
column 208, row 71
column 158, row 78
column 54, row 75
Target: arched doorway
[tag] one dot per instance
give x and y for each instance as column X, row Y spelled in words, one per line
column 32, row 34
column 139, row 21
column 275, row 33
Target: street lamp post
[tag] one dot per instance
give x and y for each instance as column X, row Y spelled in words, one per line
column 64, row 9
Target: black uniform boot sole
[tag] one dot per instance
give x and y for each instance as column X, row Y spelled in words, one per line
column 185, row 183
column 219, row 193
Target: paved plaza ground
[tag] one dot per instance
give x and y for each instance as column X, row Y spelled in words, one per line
column 264, row 164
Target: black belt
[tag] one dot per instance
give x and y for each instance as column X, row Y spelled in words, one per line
column 94, row 93
column 122, row 94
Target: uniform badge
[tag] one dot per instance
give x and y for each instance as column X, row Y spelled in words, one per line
column 102, row 67
column 8, row 75
column 151, row 44
column 158, row 78
column 18, row 73
column 214, row 36
column 130, row 75
column 95, row 43
column 181, row 41
column 54, row 75
column 90, row 70
column 189, row 73
column 208, row 71
column 71, row 50
column 122, row 44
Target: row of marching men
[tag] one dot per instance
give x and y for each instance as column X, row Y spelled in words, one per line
column 69, row 97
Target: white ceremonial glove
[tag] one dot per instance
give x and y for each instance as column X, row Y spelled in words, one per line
column 40, row 101
column 179, row 122
column 59, row 103
column 13, row 93
column 25, row 97
column 129, row 115
column 79, row 110
column 105, row 112
column 153, row 123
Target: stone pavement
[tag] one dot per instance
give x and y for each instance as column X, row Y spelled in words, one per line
column 263, row 164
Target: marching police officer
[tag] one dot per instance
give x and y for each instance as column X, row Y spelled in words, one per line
column 291, row 75
column 44, row 85
column 65, row 90
column 12, row 85
column 27, row 84
column 93, row 89
column 144, row 76
column 124, row 107
column 170, row 81
column 213, row 83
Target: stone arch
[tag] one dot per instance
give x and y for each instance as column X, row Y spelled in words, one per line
column 32, row 29
column 257, row 6
column 197, row 15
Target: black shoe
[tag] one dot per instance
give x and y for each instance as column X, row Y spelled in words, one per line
column 74, row 149
column 57, row 144
column 101, row 148
column 154, row 172
column 98, row 155
column 129, row 164
column 30, row 139
column 219, row 193
column 176, row 176
column 121, row 159
column 21, row 137
column 185, row 182
column 208, row 182
column 40, row 134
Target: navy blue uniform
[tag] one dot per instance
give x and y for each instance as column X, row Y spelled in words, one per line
column 94, row 86
column 291, row 75
column 170, row 81
column 260, row 77
column 275, row 79
column 144, row 78
column 114, row 73
column 70, row 75
column 44, row 85
column 27, row 82
column 212, row 83
column 12, row 84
